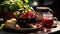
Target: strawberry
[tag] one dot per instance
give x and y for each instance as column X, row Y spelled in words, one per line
column 22, row 15
column 28, row 14
column 37, row 25
column 32, row 14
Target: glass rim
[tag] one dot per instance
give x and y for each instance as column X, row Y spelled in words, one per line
column 47, row 14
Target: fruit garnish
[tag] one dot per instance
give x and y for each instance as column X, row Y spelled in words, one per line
column 37, row 25
column 28, row 14
column 22, row 15
column 26, row 1
column 2, row 25
column 16, row 13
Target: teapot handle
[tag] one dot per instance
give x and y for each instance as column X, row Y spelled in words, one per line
column 50, row 10
column 55, row 21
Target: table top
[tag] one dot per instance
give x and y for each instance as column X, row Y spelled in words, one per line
column 39, row 32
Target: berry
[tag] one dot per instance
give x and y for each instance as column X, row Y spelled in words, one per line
column 37, row 25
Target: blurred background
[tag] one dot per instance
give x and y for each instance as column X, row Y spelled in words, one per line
column 53, row 4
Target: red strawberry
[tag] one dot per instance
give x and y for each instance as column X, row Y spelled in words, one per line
column 22, row 15
column 28, row 14
column 37, row 25
column 33, row 14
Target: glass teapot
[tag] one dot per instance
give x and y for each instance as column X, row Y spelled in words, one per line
column 46, row 14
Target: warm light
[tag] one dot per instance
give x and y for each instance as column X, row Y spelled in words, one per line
column 35, row 3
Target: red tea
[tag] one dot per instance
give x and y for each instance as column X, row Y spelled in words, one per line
column 47, row 21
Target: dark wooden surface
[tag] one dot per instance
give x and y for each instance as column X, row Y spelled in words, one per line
column 3, row 32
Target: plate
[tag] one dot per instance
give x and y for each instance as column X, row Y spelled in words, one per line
column 21, row 30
